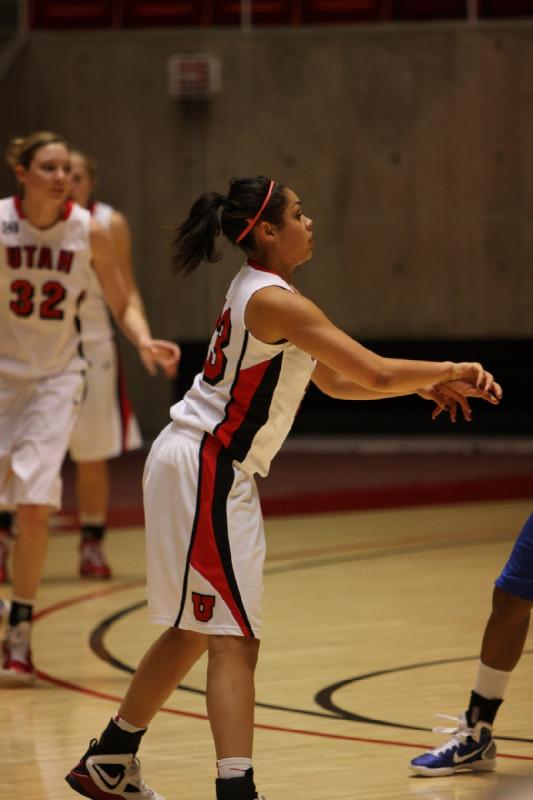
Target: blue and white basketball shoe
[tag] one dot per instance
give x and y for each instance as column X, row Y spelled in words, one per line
column 468, row 749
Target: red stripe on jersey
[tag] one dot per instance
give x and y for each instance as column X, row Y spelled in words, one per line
column 205, row 557
column 242, row 393
column 18, row 207
column 126, row 410
column 67, row 210
column 257, row 265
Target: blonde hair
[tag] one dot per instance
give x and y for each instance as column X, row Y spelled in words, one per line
column 90, row 163
column 22, row 150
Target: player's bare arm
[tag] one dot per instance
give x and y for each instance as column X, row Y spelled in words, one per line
column 274, row 313
column 444, row 395
column 153, row 352
column 121, row 236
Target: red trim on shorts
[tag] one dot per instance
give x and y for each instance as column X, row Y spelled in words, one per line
column 205, row 556
column 126, row 410
column 242, row 394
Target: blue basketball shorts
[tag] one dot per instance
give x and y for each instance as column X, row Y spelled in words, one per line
column 517, row 575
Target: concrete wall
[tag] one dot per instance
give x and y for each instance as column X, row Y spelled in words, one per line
column 411, row 147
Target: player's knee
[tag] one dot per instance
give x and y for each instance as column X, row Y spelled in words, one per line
column 509, row 605
column 31, row 515
column 234, row 648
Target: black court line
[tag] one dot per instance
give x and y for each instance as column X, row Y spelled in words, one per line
column 323, row 698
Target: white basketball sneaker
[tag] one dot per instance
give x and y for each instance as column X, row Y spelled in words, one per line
column 108, row 777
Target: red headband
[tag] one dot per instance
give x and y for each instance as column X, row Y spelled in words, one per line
column 251, row 222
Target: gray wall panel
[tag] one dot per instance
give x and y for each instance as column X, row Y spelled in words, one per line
column 410, row 146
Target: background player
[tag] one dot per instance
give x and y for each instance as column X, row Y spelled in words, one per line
column 48, row 248
column 205, row 539
column 472, row 747
column 106, row 425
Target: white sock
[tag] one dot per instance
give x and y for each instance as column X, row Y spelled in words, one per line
column 491, row 683
column 233, row 767
column 125, row 726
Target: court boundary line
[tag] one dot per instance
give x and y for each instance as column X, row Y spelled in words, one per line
column 97, row 593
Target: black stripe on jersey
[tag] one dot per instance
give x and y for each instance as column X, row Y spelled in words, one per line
column 77, row 324
column 193, row 532
column 258, row 411
column 224, row 477
column 235, row 379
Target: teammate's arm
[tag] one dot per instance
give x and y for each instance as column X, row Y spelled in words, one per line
column 273, row 313
column 121, row 236
column 132, row 322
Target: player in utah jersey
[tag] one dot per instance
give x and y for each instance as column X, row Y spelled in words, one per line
column 48, row 248
column 205, row 540
column 106, row 425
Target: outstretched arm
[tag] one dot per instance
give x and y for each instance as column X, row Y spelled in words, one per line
column 447, row 397
column 274, row 313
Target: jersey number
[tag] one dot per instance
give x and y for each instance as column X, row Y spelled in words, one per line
column 23, row 305
column 215, row 363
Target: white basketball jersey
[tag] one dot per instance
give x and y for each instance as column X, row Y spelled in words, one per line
column 249, row 392
column 43, row 274
column 94, row 315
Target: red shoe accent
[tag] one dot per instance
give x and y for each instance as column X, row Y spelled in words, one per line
column 93, row 563
column 17, row 664
column 86, row 786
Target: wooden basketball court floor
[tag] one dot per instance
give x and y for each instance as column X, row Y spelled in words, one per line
column 373, row 621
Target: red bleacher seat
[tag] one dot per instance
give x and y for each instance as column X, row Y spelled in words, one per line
column 74, row 13
column 505, row 8
column 320, row 11
column 144, row 13
column 429, row 9
column 264, row 12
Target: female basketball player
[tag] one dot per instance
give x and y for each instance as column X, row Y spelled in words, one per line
column 106, row 425
column 205, row 541
column 49, row 247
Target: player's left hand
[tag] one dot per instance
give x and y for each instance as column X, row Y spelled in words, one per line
column 449, row 396
column 160, row 353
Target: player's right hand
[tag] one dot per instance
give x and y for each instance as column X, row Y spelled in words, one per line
column 473, row 373
column 156, row 353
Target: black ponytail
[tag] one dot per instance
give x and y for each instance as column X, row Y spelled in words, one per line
column 194, row 240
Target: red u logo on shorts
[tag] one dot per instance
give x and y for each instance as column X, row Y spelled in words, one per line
column 203, row 605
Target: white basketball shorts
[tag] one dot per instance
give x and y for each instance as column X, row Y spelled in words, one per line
column 106, row 426
column 36, row 421
column 205, row 540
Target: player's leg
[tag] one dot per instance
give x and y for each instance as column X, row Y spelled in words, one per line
column 105, row 428
column 170, row 502
column 92, row 485
column 46, row 412
column 110, row 762
column 6, row 540
column 28, row 562
column 230, row 707
column 189, row 492
column 472, row 746
column 12, row 398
